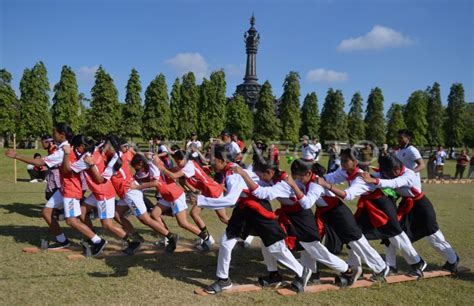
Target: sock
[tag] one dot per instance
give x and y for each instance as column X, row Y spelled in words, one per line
column 61, row 238
column 204, row 235
column 169, row 236
column 96, row 239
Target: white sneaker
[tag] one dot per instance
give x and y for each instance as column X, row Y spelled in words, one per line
column 162, row 242
column 34, row 181
column 205, row 246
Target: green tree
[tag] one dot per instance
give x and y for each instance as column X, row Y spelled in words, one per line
column 355, row 120
column 395, row 122
column 333, row 119
column 239, row 118
column 156, row 118
column 415, row 116
column 435, row 116
column 267, row 125
column 35, row 118
column 66, row 100
column 374, row 117
column 310, row 116
column 212, row 105
column 8, row 105
column 290, row 108
column 175, row 104
column 188, row 111
column 469, row 125
column 133, row 109
column 455, row 115
column 105, row 115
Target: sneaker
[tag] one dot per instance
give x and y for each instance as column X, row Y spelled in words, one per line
column 97, row 248
column 137, row 236
column 418, row 268
column 172, row 242
column 315, row 278
column 453, row 268
column 163, row 242
column 197, row 241
column 300, row 282
column 347, row 279
column 393, row 270
column 34, row 181
column 273, row 279
column 217, row 286
column 206, row 244
column 59, row 245
column 132, row 247
column 380, row 277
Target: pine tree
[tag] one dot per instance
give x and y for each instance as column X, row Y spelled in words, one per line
column 355, row 121
column 310, row 116
column 395, row 122
column 374, row 117
column 267, row 125
column 333, row 119
column 188, row 118
column 175, row 102
column 212, row 105
column 66, row 100
column 8, row 105
column 105, row 114
column 133, row 109
column 469, row 125
column 156, row 118
column 435, row 116
column 455, row 115
column 239, row 118
column 35, row 118
column 415, row 117
column 290, row 108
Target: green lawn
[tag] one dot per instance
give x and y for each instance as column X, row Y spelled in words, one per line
column 49, row 278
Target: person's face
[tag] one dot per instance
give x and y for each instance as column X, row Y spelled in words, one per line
column 58, row 137
column 45, row 144
column 38, row 157
column 272, row 146
column 402, row 139
column 265, row 176
column 156, row 141
column 218, row 165
column 303, row 178
column 180, row 163
column 194, row 137
column 393, row 173
column 226, row 139
column 347, row 163
column 108, row 150
column 463, row 151
column 440, row 148
column 305, row 142
column 124, row 148
column 139, row 167
column 81, row 149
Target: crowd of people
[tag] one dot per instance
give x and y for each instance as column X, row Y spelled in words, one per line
column 108, row 177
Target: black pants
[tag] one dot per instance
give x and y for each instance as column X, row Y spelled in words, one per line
column 420, row 221
column 37, row 175
column 390, row 229
column 459, row 170
column 303, row 225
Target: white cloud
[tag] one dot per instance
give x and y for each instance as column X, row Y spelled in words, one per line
column 184, row 62
column 87, row 74
column 378, row 38
column 235, row 70
column 325, row 76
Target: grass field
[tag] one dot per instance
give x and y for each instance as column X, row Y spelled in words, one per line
column 48, row 278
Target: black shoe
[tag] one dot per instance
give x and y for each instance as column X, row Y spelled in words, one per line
column 218, row 286
column 453, row 268
column 97, row 248
column 273, row 279
column 300, row 282
column 315, row 278
column 418, row 268
column 380, row 277
column 132, row 247
column 347, row 278
column 137, row 236
column 393, row 270
column 172, row 242
column 59, row 245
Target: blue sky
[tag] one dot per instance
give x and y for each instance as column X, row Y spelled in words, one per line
column 400, row 46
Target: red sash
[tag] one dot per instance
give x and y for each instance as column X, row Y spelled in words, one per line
column 406, row 205
column 377, row 217
column 283, row 220
column 331, row 202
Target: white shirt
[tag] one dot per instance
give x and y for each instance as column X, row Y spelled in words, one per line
column 440, row 156
column 408, row 156
column 357, row 186
column 314, row 196
column 280, row 191
column 189, row 169
column 232, row 149
column 56, row 158
column 197, row 143
column 309, row 151
column 403, row 184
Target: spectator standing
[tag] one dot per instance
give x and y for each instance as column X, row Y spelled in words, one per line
column 440, row 157
column 274, row 154
column 461, row 163
column 308, row 150
column 471, row 166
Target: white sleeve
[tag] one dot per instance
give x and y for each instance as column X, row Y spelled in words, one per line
column 198, row 144
column 279, row 190
column 357, row 188
column 189, row 170
column 405, row 180
column 163, row 148
column 154, row 171
column 235, row 148
column 336, row 177
column 235, row 185
column 415, row 153
column 79, row 165
column 188, row 144
column 314, row 193
column 109, row 170
column 54, row 159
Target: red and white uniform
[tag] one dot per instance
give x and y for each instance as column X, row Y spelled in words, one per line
column 197, row 178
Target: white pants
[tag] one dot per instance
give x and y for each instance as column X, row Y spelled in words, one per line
column 308, row 261
column 105, row 208
column 320, row 253
column 71, row 206
column 401, row 242
column 362, row 250
column 277, row 252
column 437, row 242
column 176, row 206
column 134, row 200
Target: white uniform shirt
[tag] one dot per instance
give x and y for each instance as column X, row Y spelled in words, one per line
column 357, row 186
column 232, row 149
column 280, row 191
column 440, row 156
column 56, row 158
column 406, row 185
column 197, row 143
column 309, row 151
column 408, row 156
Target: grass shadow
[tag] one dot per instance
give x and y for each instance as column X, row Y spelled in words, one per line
column 27, row 210
column 31, row 234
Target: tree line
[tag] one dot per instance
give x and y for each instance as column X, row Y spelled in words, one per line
column 205, row 108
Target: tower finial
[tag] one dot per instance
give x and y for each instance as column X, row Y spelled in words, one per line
column 252, row 20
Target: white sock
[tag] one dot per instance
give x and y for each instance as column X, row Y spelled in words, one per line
column 95, row 239
column 61, row 238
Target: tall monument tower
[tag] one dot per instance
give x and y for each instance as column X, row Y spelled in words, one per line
column 250, row 88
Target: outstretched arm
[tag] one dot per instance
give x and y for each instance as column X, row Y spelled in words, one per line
column 29, row 160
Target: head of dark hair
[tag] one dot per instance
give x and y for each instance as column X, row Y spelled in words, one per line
column 349, row 153
column 175, row 147
column 158, row 137
column 64, row 128
column 179, row 155
column 79, row 140
column 318, row 169
column 389, row 162
column 114, row 142
column 264, row 164
column 300, row 166
column 137, row 159
column 36, row 155
column 405, row 132
column 46, row 137
column 220, row 152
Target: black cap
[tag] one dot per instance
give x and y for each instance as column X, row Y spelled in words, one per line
column 225, row 133
column 193, row 134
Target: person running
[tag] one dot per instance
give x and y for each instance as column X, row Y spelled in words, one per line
column 415, row 211
column 376, row 214
column 408, row 154
column 250, row 215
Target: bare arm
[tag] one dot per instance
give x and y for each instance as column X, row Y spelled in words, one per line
column 66, row 164
column 159, row 164
column 340, row 193
column 420, row 165
column 29, row 160
column 147, row 185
